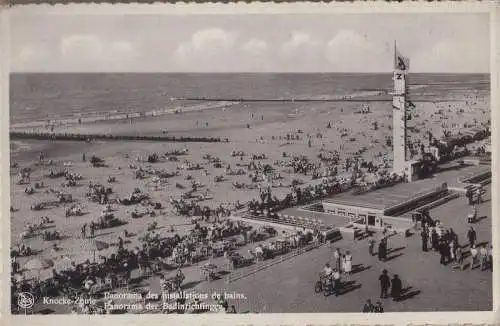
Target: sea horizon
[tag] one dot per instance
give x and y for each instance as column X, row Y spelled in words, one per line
column 39, row 96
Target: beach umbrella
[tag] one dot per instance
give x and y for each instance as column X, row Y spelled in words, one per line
column 93, row 245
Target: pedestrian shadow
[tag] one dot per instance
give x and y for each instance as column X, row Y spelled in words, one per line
column 347, row 287
column 358, row 268
column 407, row 294
column 103, row 234
column 480, row 244
column 389, row 258
column 390, row 251
column 478, row 219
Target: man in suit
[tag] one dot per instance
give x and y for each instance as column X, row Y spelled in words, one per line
column 368, row 307
column 424, row 236
column 396, row 288
column 471, row 236
column 385, row 282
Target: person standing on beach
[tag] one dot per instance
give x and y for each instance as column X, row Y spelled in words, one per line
column 83, row 157
column 41, row 157
column 385, row 282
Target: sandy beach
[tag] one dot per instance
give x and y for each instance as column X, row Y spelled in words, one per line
column 267, row 124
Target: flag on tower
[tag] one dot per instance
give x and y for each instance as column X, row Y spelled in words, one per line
column 401, row 62
column 410, row 104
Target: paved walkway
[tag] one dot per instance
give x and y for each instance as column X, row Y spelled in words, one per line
column 289, row 286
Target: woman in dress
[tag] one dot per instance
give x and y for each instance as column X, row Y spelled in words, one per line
column 348, row 263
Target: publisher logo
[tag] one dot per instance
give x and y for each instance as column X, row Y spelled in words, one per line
column 25, row 300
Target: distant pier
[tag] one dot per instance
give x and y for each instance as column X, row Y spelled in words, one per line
column 108, row 137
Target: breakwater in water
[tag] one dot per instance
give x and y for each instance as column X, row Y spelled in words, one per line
column 90, row 137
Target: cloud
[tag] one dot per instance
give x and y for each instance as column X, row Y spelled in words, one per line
column 122, row 47
column 96, row 53
column 206, row 42
column 348, row 50
column 83, row 47
column 298, row 42
column 29, row 57
column 255, row 47
column 450, row 55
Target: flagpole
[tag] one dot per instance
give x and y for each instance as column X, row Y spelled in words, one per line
column 395, row 50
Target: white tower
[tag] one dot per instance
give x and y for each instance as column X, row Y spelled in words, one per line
column 399, row 112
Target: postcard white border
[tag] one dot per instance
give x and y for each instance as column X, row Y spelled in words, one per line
column 440, row 318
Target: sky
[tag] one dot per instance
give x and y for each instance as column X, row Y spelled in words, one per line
column 440, row 43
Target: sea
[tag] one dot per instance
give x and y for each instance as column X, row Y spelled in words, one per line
column 45, row 96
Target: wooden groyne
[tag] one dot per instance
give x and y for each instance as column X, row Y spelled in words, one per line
column 108, row 137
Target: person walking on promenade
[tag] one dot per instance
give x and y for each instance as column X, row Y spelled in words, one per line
column 454, row 238
column 385, row 283
column 471, row 236
column 337, row 255
column 473, row 257
column 468, row 194
column 490, row 258
column 348, row 263
column 382, row 250
column 423, row 235
column 459, row 258
column 451, row 253
column 371, row 245
column 396, row 288
column 443, row 250
column 368, row 307
column 84, row 231
column 435, row 240
column 483, row 256
column 378, row 307
column 92, row 229
column 479, row 193
column 336, row 282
